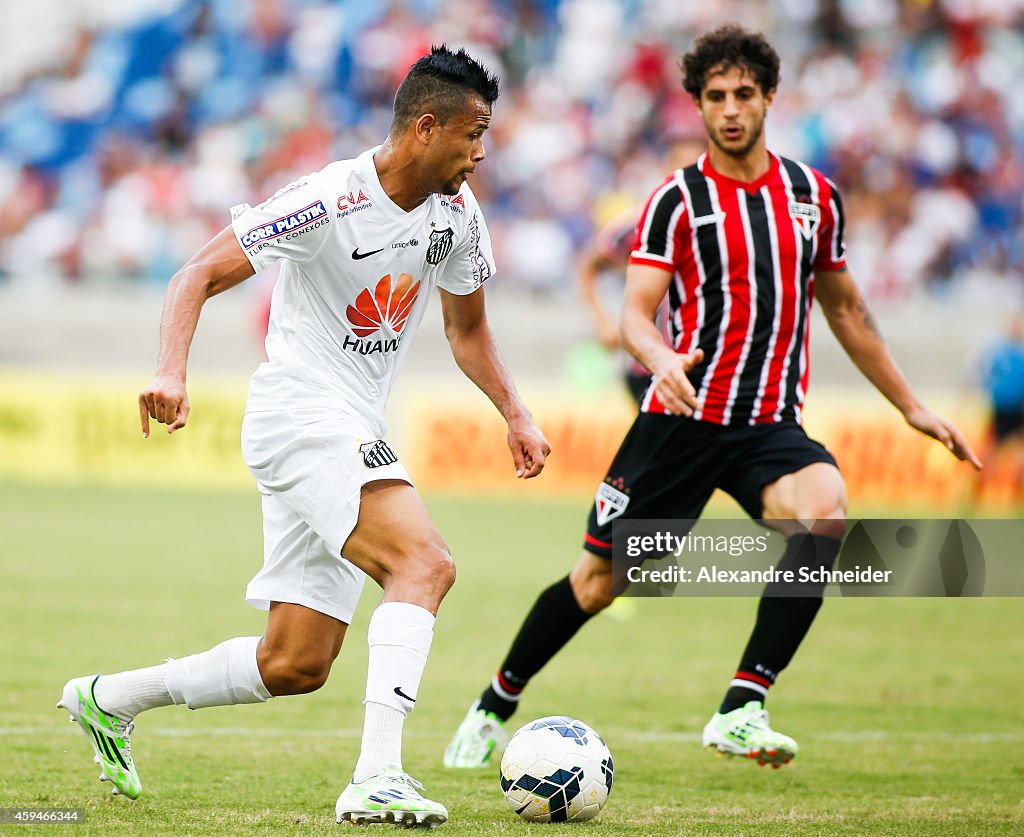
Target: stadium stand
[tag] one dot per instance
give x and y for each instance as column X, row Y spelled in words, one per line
column 122, row 154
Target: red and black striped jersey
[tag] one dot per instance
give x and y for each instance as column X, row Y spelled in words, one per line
column 742, row 258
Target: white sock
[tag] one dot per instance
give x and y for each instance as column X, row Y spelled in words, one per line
column 399, row 637
column 223, row 676
column 128, row 693
column 382, row 741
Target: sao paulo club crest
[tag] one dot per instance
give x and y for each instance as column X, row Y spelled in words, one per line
column 807, row 216
column 610, row 503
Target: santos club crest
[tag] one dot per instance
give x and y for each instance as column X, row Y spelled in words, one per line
column 377, row 454
column 440, row 245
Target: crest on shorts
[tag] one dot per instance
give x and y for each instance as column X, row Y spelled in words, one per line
column 807, row 216
column 377, row 454
column 610, row 503
column 440, row 245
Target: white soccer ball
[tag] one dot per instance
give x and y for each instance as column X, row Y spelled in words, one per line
column 556, row 769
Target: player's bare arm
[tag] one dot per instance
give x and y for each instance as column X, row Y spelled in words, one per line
column 856, row 330
column 220, row 265
column 476, row 353
column 590, row 264
column 645, row 289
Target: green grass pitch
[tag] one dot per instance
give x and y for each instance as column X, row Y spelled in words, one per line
column 909, row 712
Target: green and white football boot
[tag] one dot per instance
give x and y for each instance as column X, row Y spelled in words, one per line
column 389, row 797
column 109, row 736
column 476, row 739
column 745, row 732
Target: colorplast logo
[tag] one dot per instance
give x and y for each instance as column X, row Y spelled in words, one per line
column 289, row 226
column 385, row 310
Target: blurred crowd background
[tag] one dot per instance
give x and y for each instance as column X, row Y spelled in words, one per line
column 123, row 148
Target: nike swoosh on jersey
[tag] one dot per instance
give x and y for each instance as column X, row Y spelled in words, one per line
column 401, row 694
column 357, row 255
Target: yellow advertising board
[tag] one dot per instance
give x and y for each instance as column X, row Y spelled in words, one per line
column 74, row 428
column 886, row 464
column 80, row 428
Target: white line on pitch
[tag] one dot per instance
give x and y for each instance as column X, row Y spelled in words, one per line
column 846, row 735
column 653, row 736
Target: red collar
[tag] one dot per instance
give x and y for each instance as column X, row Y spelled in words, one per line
column 722, row 180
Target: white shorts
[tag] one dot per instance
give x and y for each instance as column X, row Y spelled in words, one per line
column 310, row 467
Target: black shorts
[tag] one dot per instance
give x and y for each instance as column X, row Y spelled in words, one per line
column 667, row 468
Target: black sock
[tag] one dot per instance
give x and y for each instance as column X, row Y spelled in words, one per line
column 782, row 622
column 550, row 624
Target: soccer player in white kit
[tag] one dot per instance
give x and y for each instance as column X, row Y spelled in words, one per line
column 362, row 244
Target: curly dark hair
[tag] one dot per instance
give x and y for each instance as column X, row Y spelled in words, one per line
column 439, row 83
column 730, row 46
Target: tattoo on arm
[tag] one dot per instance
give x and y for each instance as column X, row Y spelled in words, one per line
column 869, row 319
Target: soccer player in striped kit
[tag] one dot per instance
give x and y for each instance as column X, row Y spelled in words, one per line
column 742, row 241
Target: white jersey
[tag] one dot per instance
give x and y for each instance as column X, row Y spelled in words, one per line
column 357, row 274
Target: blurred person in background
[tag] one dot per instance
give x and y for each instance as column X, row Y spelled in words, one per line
column 742, row 242
column 608, row 252
column 897, row 99
column 361, row 245
column 1002, row 377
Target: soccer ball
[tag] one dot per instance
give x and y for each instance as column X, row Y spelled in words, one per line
column 556, row 769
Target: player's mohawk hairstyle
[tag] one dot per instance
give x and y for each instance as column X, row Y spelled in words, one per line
column 730, row 46
column 439, row 83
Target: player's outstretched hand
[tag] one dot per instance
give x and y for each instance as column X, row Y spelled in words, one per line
column 674, row 390
column 528, row 445
column 937, row 427
column 166, row 400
